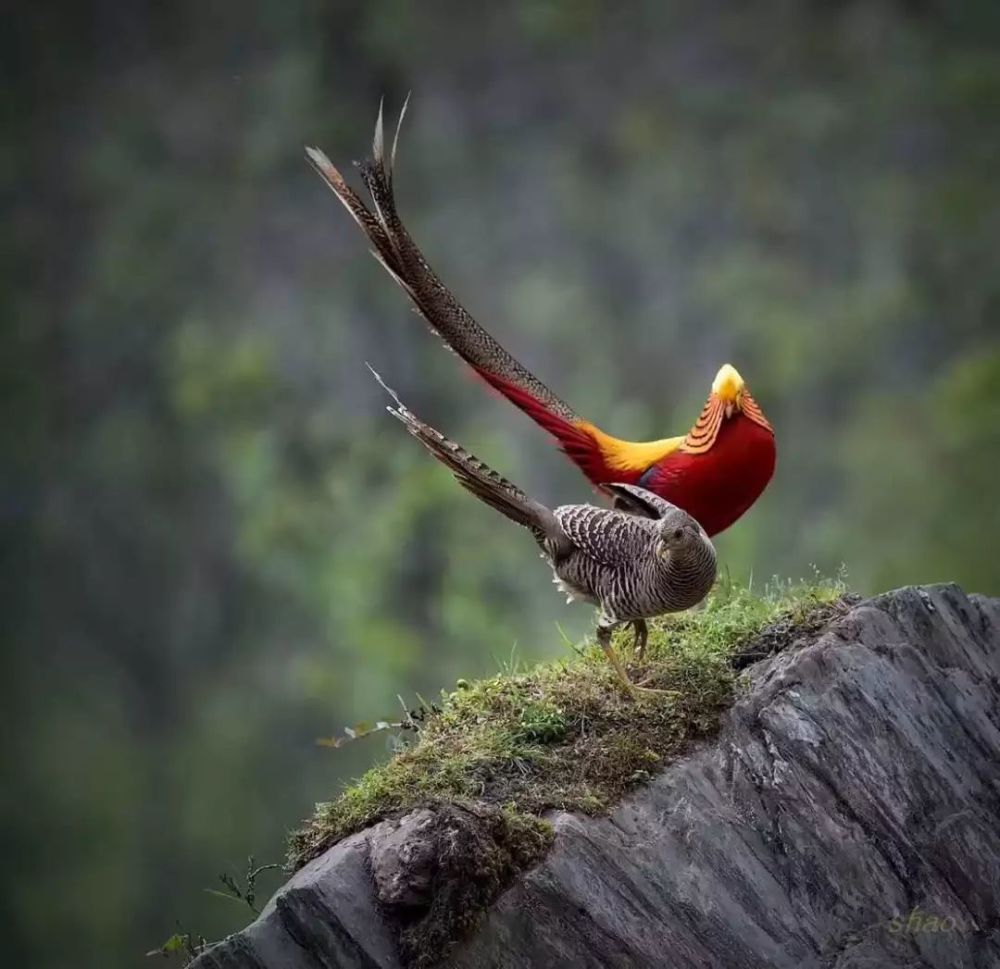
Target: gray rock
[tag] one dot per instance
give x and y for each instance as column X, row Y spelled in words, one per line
column 845, row 817
column 403, row 862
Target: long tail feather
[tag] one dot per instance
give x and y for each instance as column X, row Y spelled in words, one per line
column 358, row 210
column 369, row 222
column 399, row 255
column 474, row 475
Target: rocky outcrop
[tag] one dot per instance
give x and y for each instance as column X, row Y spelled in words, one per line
column 846, row 816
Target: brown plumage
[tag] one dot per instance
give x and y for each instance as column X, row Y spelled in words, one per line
column 399, row 255
column 631, row 566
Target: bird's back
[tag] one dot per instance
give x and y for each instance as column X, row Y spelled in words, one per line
column 605, row 535
column 615, row 564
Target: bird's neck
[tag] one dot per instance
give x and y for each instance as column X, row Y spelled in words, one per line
column 690, row 569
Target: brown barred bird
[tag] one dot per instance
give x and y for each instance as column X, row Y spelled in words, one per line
column 633, row 565
column 715, row 472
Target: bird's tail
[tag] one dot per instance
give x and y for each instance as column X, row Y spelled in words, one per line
column 402, row 259
column 475, row 476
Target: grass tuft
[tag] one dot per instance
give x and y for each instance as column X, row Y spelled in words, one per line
column 564, row 734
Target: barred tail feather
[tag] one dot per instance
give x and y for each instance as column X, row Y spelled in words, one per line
column 474, row 475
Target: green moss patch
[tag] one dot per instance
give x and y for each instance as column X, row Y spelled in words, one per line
column 565, row 734
column 805, row 619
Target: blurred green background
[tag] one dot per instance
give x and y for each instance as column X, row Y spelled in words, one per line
column 217, row 546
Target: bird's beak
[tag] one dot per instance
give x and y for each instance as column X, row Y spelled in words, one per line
column 728, row 387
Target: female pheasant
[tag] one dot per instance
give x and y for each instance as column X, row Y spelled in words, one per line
column 632, row 566
column 715, row 472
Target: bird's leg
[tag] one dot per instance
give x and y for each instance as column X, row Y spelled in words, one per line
column 604, row 629
column 641, row 636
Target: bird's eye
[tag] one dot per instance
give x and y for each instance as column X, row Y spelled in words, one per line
column 678, row 534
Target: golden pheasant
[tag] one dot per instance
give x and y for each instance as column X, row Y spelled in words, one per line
column 715, row 472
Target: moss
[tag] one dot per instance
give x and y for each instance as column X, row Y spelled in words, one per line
column 501, row 751
column 804, row 619
column 564, row 734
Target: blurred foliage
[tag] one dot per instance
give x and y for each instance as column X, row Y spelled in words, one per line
column 218, row 547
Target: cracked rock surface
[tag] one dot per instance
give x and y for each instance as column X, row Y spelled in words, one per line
column 846, row 816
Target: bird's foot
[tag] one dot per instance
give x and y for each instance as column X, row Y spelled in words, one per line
column 635, row 690
column 653, row 689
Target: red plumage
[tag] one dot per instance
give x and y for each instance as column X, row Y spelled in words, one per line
column 576, row 442
column 715, row 472
column 717, row 487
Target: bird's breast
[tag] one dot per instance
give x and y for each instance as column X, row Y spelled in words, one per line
column 719, row 485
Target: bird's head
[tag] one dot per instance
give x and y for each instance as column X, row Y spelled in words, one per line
column 729, row 388
column 728, row 398
column 679, row 532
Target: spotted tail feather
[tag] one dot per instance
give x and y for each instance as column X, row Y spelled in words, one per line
column 402, row 259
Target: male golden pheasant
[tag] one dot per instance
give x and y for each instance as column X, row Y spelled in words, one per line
column 715, row 472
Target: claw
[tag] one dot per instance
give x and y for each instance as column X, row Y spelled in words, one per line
column 652, row 690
